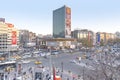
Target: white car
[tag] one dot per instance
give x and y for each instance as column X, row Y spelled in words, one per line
column 19, row 78
column 42, row 54
column 73, row 61
column 26, row 55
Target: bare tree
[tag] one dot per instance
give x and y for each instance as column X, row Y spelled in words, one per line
column 106, row 68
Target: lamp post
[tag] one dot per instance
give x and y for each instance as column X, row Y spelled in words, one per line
column 50, row 63
column 62, row 66
column 83, row 73
column 62, row 69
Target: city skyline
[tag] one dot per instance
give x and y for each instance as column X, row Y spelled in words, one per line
column 36, row 16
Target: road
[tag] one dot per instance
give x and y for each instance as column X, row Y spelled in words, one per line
column 67, row 70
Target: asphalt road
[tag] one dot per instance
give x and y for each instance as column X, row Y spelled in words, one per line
column 66, row 58
column 61, row 62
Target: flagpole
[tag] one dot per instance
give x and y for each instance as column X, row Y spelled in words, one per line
column 54, row 72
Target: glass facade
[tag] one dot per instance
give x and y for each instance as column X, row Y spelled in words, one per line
column 59, row 22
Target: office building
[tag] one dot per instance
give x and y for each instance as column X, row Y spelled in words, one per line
column 27, row 38
column 104, row 38
column 62, row 22
column 9, row 39
column 84, row 36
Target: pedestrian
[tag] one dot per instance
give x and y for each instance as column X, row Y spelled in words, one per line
column 14, row 79
column 73, row 78
column 5, row 76
column 67, row 78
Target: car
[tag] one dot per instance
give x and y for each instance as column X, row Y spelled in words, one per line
column 2, row 58
column 16, row 57
column 55, row 52
column 12, row 59
column 26, row 55
column 38, row 62
column 72, row 61
column 19, row 78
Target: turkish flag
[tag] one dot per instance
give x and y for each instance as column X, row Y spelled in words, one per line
column 54, row 73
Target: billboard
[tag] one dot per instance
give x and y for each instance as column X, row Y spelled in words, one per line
column 10, row 25
column 98, row 38
column 14, row 37
column 68, row 22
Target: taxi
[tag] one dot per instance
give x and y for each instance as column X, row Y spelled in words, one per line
column 84, row 56
column 17, row 57
column 38, row 62
column 2, row 58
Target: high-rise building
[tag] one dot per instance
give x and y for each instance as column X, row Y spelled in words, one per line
column 62, row 22
column 9, row 37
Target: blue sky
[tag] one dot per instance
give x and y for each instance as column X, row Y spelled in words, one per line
column 36, row 15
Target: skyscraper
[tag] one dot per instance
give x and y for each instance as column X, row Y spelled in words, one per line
column 62, row 22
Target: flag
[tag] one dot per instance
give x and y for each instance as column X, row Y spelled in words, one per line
column 54, row 73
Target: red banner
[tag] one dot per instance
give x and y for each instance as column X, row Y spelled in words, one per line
column 54, row 73
column 14, row 37
column 10, row 25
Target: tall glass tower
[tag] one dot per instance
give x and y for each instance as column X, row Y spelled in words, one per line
column 62, row 22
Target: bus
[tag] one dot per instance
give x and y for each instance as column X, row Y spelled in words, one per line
column 8, row 65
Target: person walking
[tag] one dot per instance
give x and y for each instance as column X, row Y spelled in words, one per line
column 14, row 79
column 67, row 78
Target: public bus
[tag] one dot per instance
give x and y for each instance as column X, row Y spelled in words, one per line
column 8, row 65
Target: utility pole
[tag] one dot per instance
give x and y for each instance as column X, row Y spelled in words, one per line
column 62, row 69
column 50, row 62
column 83, row 73
column 62, row 66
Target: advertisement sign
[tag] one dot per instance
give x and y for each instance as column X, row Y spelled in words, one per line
column 68, row 21
column 10, row 25
column 98, row 40
column 14, row 37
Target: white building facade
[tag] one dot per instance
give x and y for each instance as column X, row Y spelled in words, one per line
column 9, row 37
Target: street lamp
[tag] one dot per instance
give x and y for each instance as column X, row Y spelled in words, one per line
column 62, row 66
column 83, row 73
column 50, row 62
